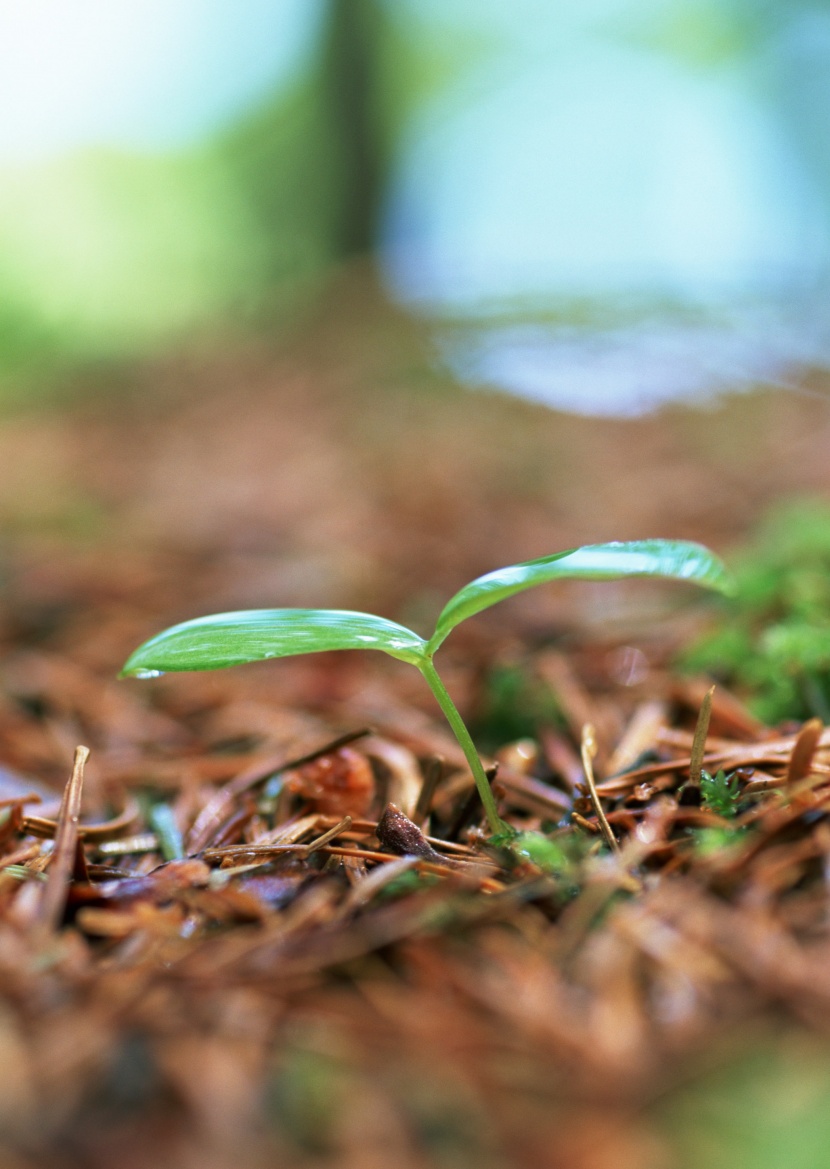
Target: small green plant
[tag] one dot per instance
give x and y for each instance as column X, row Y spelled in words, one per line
column 228, row 639
column 720, row 793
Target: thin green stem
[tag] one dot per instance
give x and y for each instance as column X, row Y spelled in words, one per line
column 466, row 744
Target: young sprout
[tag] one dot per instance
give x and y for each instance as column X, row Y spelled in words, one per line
column 230, row 639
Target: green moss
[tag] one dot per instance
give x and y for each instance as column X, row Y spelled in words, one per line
column 720, row 793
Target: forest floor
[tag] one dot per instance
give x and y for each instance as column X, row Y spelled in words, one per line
column 237, row 959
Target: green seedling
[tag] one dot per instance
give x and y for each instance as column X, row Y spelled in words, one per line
column 229, row 639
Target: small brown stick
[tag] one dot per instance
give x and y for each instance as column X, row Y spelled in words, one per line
column 345, row 823
column 274, row 849
column 55, row 890
column 233, row 851
column 583, row 823
column 31, row 798
column 589, row 750
column 46, row 829
column 368, row 854
column 434, row 772
column 453, row 848
column 471, row 806
column 699, row 742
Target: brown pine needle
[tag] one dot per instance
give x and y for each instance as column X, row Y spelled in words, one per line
column 59, row 873
column 804, row 749
column 589, row 750
column 342, row 826
column 699, row 742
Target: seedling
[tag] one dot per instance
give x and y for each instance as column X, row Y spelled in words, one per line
column 229, row 639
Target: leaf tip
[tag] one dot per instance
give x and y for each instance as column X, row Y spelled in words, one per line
column 135, row 668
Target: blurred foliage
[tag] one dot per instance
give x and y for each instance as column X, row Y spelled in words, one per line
column 704, row 35
column 105, row 252
column 766, row 1109
column 513, row 705
column 771, row 641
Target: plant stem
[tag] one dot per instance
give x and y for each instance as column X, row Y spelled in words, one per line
column 466, row 744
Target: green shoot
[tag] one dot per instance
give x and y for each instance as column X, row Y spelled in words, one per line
column 227, row 639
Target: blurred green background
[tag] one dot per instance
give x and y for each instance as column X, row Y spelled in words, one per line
column 654, row 174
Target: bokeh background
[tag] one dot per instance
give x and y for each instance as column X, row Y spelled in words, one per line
column 615, row 203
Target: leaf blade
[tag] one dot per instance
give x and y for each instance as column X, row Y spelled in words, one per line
column 667, row 559
column 229, row 639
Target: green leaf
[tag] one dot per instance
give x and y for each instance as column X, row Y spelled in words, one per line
column 231, row 639
column 671, row 559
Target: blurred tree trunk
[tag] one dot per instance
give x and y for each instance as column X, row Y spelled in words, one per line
column 351, row 71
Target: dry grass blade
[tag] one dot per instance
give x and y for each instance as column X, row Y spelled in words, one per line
column 55, row 890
